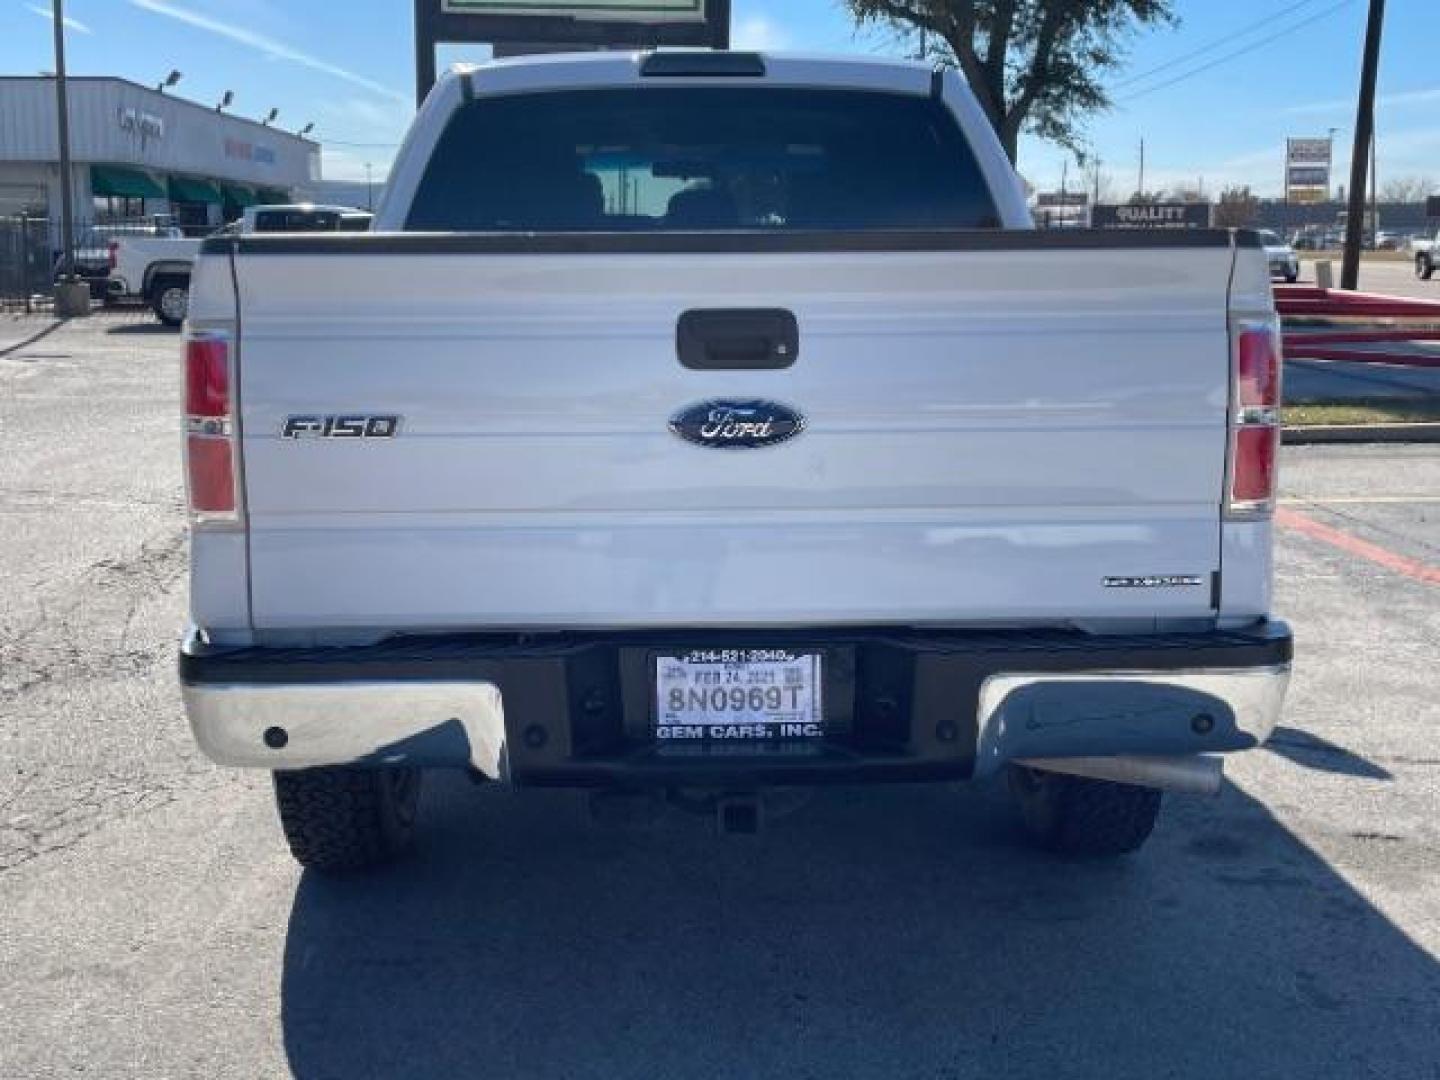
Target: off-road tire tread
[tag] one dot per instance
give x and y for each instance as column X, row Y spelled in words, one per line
column 335, row 819
column 1097, row 818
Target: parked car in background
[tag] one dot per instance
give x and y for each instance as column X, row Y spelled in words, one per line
column 156, row 269
column 1427, row 256
column 1314, row 238
column 767, row 471
column 1284, row 263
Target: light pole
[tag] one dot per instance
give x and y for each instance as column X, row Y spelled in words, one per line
column 72, row 297
column 1330, row 171
column 369, row 188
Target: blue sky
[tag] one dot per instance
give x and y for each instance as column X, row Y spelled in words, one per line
column 1214, row 98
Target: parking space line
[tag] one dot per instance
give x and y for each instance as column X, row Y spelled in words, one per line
column 1353, row 545
column 1362, row 500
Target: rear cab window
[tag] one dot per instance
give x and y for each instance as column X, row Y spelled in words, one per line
column 271, row 221
column 688, row 159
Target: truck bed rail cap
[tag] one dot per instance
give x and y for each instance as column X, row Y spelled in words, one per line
column 729, row 242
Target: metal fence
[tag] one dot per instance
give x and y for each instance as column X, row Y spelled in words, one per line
column 27, row 259
column 30, row 249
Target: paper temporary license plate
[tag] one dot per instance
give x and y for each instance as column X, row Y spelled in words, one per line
column 724, row 694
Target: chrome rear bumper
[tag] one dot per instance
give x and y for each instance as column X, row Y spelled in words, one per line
column 576, row 710
column 304, row 725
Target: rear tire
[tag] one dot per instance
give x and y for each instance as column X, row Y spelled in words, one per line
column 1424, row 268
column 340, row 820
column 170, row 300
column 1073, row 815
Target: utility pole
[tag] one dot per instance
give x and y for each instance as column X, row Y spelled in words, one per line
column 369, row 188
column 1141, row 189
column 1374, row 192
column 62, row 108
column 72, row 296
column 1364, row 137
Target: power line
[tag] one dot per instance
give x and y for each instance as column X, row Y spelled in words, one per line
column 1238, row 52
column 360, row 145
column 1234, row 35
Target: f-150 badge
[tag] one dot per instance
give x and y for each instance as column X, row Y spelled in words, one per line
column 341, row 427
column 736, row 425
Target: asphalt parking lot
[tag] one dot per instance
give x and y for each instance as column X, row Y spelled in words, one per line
column 152, row 924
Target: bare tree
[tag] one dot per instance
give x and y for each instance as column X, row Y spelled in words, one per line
column 1408, row 189
column 1238, row 208
column 1099, row 183
column 1034, row 65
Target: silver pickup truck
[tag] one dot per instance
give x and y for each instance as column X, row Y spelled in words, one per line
column 704, row 423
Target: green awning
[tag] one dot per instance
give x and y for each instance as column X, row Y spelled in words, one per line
column 239, row 196
column 189, row 190
column 274, row 196
column 124, row 183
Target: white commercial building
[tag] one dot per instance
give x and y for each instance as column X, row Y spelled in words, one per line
column 138, row 152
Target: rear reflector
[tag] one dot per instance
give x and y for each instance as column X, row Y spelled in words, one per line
column 1254, row 471
column 210, row 431
column 211, row 472
column 1255, row 420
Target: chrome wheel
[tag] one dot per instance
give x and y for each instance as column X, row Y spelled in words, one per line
column 173, row 304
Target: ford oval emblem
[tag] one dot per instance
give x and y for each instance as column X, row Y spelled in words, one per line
column 737, row 425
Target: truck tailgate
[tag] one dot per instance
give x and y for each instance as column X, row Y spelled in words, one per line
column 993, row 435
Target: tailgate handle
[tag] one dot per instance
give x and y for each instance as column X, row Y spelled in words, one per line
column 738, row 340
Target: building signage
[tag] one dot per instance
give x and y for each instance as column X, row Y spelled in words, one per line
column 145, row 126
column 243, row 150
column 1152, row 216
column 1308, row 176
column 513, row 26
column 1307, row 169
column 618, row 10
column 1049, row 200
column 1308, row 151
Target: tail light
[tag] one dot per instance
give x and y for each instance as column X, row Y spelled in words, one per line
column 113, row 248
column 210, row 458
column 1255, row 420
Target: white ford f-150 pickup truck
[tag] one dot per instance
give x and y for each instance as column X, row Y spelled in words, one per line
column 702, row 423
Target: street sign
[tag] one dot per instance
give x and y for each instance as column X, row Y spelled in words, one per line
column 581, row 24
column 1151, row 216
column 642, row 11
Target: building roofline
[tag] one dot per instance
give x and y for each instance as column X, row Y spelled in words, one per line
column 167, row 97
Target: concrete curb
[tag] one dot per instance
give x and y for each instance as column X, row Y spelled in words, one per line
column 53, row 325
column 1325, row 434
